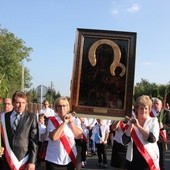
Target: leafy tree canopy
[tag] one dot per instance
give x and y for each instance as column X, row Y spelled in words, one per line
column 12, row 54
column 152, row 89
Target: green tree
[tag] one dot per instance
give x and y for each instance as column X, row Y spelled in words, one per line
column 143, row 87
column 151, row 89
column 12, row 54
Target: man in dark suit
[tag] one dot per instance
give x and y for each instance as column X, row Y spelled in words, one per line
column 19, row 136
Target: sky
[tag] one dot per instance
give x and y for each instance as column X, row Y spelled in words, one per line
column 49, row 27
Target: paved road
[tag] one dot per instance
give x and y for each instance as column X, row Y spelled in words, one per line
column 92, row 163
column 167, row 157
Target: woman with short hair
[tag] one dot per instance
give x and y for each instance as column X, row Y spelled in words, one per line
column 61, row 150
column 141, row 136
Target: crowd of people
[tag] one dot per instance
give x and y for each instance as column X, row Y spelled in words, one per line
column 55, row 139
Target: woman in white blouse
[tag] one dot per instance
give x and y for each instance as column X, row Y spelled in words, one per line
column 61, row 150
column 141, row 136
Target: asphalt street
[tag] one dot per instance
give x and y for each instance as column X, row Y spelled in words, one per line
column 92, row 161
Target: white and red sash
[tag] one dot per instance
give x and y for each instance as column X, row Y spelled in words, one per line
column 163, row 135
column 12, row 160
column 153, row 113
column 64, row 141
column 143, row 151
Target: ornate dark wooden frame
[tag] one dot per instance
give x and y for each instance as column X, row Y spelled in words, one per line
column 86, row 44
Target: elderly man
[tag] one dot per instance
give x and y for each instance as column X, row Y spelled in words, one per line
column 160, row 113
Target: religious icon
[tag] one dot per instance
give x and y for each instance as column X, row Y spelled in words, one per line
column 101, row 84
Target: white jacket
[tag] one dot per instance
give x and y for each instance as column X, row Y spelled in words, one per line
column 152, row 148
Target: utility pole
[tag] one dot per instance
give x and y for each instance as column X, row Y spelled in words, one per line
column 41, row 96
column 51, row 91
column 22, row 78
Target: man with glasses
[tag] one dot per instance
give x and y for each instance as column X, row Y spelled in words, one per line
column 7, row 105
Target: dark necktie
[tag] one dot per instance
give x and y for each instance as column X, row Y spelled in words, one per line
column 100, row 132
column 16, row 122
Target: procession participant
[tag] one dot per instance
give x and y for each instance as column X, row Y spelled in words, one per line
column 80, row 143
column 118, row 156
column 141, row 136
column 46, row 110
column 43, row 142
column 20, row 136
column 61, row 150
column 101, row 134
column 160, row 113
column 90, row 143
column 7, row 105
column 84, row 123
